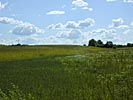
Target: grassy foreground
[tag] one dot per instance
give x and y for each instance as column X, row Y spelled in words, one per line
column 65, row 73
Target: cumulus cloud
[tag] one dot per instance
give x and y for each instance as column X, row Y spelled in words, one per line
column 125, row 1
column 118, row 23
column 72, row 34
column 111, row 36
column 3, row 5
column 21, row 28
column 129, row 31
column 26, row 29
column 100, row 31
column 88, row 22
column 51, row 26
column 29, row 40
column 79, row 3
column 56, row 40
column 105, row 34
column 123, row 26
column 128, row 1
column 87, row 8
column 56, row 26
column 55, row 12
column 6, row 20
column 104, row 31
column 71, row 24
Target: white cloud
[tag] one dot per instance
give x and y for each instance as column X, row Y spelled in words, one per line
column 57, row 40
column 125, row 1
column 87, row 8
column 117, row 22
column 21, row 28
column 71, row 24
column 59, row 25
column 6, row 20
column 28, row 40
column 131, row 24
column 79, row 3
column 56, row 26
column 99, row 31
column 106, row 34
column 123, row 26
column 26, row 29
column 2, row 41
column 86, row 23
column 129, row 31
column 104, row 31
column 108, row 37
column 111, row 0
column 71, row 34
column 128, row 1
column 3, row 5
column 55, row 12
column 50, row 26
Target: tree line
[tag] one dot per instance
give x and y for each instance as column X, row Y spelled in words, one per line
column 108, row 44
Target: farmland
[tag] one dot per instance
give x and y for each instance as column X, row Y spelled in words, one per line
column 65, row 73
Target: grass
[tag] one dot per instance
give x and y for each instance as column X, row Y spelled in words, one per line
column 66, row 73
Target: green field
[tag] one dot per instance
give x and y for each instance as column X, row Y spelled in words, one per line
column 65, row 73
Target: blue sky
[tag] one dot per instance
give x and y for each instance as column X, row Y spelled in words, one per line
column 65, row 21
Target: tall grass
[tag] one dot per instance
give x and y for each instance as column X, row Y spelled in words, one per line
column 66, row 73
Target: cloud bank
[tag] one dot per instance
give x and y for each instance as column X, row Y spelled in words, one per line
column 21, row 28
column 81, row 24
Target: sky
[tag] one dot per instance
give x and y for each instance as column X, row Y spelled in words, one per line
column 38, row 22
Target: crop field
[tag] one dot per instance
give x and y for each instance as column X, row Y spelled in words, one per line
column 65, row 73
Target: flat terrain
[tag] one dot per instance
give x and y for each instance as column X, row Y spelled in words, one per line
column 65, row 73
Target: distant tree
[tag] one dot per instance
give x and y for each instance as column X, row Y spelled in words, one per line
column 129, row 44
column 99, row 43
column 18, row 44
column 84, row 44
column 119, row 46
column 92, row 42
column 109, row 44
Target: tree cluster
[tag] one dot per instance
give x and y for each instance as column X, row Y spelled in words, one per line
column 108, row 44
column 129, row 44
column 99, row 43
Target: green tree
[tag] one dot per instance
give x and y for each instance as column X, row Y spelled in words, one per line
column 92, row 42
column 129, row 45
column 99, row 43
column 109, row 44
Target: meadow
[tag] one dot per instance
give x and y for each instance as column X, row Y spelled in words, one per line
column 67, row 72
